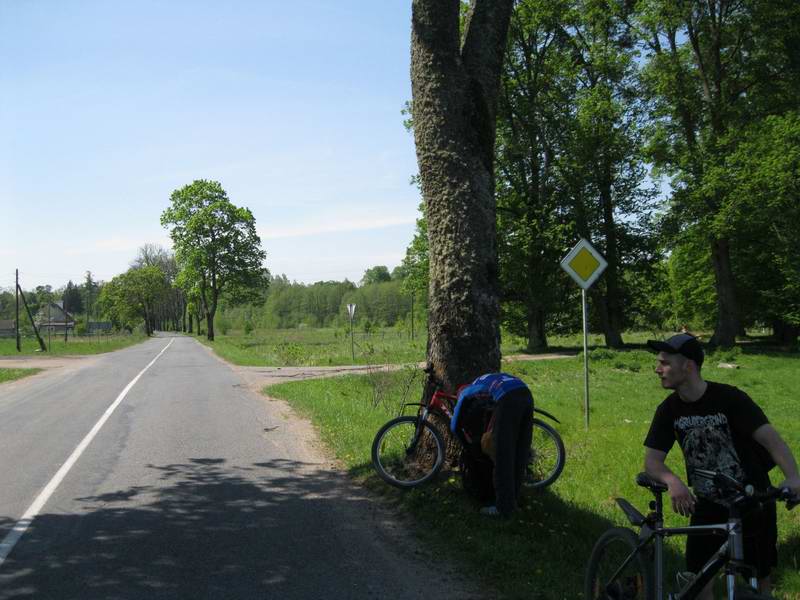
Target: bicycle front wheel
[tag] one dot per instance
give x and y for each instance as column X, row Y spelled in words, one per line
column 407, row 452
column 547, row 456
column 605, row 580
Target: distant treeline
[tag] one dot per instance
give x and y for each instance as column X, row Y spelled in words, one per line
column 382, row 303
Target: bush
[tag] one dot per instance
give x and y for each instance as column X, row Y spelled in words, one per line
column 726, row 355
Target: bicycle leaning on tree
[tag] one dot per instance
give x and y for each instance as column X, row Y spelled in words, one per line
column 410, row 450
column 627, row 566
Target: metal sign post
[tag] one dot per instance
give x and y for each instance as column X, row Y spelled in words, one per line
column 351, row 310
column 584, row 264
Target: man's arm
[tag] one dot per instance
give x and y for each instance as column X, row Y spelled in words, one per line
column 767, row 436
column 683, row 500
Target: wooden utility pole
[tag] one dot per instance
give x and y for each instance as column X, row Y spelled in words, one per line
column 30, row 316
column 16, row 320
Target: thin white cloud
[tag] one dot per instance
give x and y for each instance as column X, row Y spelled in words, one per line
column 335, row 227
column 115, row 244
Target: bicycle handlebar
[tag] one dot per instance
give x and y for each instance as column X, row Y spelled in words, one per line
column 726, row 483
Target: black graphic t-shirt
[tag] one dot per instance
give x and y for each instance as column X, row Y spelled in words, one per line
column 715, row 433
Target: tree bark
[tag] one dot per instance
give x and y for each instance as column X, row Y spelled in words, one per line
column 785, row 333
column 537, row 337
column 454, row 89
column 611, row 310
column 210, row 326
column 727, row 309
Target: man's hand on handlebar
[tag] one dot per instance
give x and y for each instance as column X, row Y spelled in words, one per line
column 683, row 501
column 793, row 483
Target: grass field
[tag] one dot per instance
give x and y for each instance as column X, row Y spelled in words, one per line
column 322, row 347
column 12, row 374
column 74, row 345
column 542, row 552
column 316, row 347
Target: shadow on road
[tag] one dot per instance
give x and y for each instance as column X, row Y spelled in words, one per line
column 206, row 529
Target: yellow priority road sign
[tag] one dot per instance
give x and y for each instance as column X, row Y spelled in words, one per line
column 584, row 264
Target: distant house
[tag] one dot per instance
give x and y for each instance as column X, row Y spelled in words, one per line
column 7, row 328
column 53, row 318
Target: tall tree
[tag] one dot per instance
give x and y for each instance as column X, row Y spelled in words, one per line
column 73, row 301
column 90, row 289
column 605, row 166
column 132, row 297
column 455, row 76
column 714, row 67
column 216, row 244
column 533, row 224
column 172, row 307
column 377, row 274
column 762, row 192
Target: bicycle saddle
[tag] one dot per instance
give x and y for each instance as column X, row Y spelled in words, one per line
column 644, row 480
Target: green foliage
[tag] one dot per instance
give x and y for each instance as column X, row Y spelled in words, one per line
column 713, row 73
column 216, row 245
column 416, row 263
column 72, row 298
column 379, row 274
column 762, row 204
column 130, row 299
column 692, row 284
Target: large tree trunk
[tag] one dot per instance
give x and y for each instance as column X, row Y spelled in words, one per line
column 611, row 310
column 537, row 337
column 210, row 326
column 785, row 333
column 727, row 310
column 454, row 88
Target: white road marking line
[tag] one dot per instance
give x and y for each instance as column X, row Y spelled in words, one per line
column 13, row 536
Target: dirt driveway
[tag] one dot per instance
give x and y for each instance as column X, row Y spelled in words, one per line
column 259, row 377
column 256, row 378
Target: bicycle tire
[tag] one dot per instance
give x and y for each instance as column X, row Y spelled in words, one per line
column 608, row 554
column 548, row 456
column 398, row 464
column 749, row 594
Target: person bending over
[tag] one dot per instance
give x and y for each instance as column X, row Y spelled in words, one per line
column 508, row 439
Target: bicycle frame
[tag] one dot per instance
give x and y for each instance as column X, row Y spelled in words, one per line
column 730, row 554
column 723, row 557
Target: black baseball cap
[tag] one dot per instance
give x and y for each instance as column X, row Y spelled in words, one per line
column 684, row 344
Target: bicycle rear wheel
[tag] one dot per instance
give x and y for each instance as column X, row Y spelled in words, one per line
column 407, row 452
column 750, row 594
column 547, row 456
column 634, row 582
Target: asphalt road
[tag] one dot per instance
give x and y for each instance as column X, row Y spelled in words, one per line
column 194, row 487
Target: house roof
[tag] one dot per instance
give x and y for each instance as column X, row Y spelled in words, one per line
column 54, row 314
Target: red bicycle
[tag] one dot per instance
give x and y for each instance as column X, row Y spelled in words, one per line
column 410, row 450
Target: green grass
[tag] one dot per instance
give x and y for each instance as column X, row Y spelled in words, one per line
column 12, row 374
column 74, row 345
column 316, row 347
column 331, row 346
column 542, row 552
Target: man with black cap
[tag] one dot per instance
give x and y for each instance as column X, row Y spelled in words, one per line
column 719, row 428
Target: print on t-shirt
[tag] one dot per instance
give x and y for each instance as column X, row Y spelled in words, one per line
column 708, row 444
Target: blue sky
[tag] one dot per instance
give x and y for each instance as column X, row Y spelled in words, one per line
column 294, row 107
